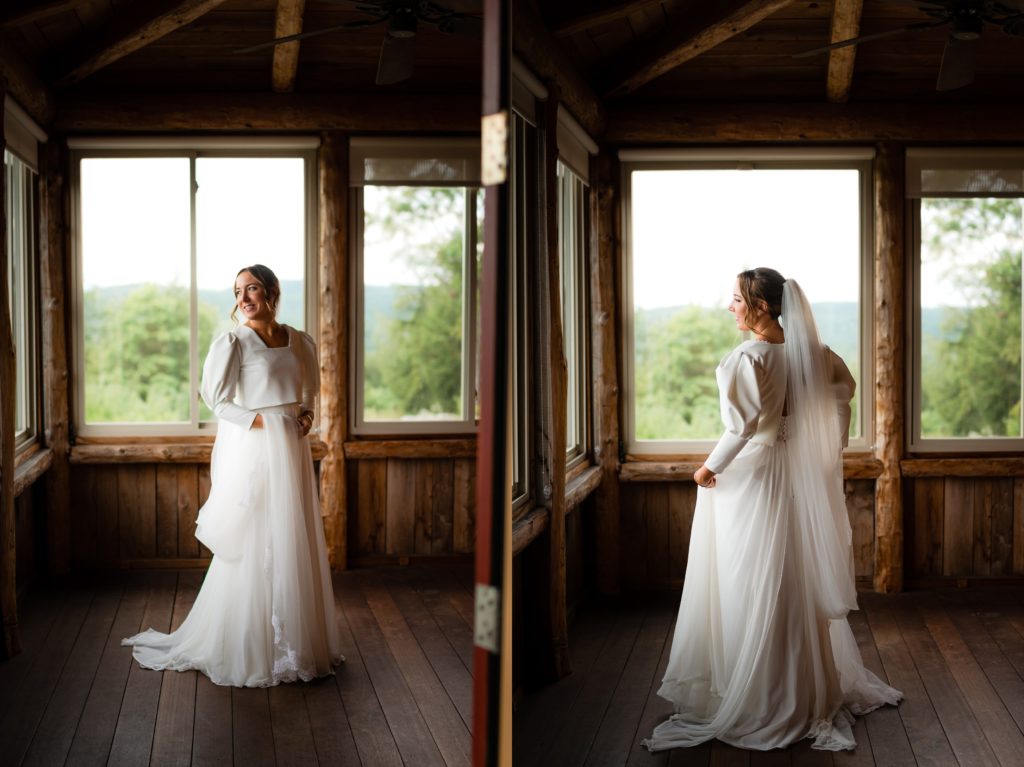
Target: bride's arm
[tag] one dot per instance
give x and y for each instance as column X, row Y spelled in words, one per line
column 843, row 388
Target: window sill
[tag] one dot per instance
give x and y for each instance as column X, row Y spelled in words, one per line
column 855, row 466
column 962, row 467
column 411, row 448
column 31, row 467
column 156, row 452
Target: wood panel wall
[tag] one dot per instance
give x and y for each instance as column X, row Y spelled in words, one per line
column 964, row 527
column 657, row 518
column 402, row 507
column 144, row 514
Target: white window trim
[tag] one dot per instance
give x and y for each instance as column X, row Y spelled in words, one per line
column 362, row 148
column 578, row 451
column 746, row 158
column 304, row 147
column 917, row 159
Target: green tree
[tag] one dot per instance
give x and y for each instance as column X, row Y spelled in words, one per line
column 137, row 353
column 971, row 371
column 674, row 371
column 415, row 367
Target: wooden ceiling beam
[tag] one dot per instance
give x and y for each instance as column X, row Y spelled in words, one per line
column 533, row 42
column 845, row 26
column 798, row 123
column 177, row 15
column 411, row 112
column 26, row 13
column 595, row 18
column 286, row 55
column 25, row 86
column 690, row 34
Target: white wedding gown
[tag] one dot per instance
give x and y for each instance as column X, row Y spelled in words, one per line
column 265, row 612
column 763, row 655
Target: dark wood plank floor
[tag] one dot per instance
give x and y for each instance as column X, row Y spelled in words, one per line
column 958, row 656
column 403, row 696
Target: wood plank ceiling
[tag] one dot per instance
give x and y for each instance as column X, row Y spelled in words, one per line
column 625, row 51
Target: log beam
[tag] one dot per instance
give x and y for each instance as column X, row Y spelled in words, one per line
column 53, row 247
column 139, row 34
column 553, row 398
column 442, row 113
column 286, row 56
column 693, row 32
column 845, row 26
column 889, row 358
column 333, row 293
column 8, row 526
column 713, row 123
column 26, row 13
column 411, row 448
column 595, row 18
column 603, row 247
column 533, row 42
column 23, row 85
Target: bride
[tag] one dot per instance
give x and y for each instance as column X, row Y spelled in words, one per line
column 763, row 655
column 265, row 612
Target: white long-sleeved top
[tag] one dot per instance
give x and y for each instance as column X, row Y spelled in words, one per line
column 752, row 394
column 242, row 374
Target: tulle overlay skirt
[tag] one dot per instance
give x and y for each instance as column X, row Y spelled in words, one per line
column 265, row 612
column 754, row 662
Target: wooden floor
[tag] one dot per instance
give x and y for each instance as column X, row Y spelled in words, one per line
column 957, row 655
column 404, row 695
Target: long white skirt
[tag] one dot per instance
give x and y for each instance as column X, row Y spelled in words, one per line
column 265, row 612
column 753, row 663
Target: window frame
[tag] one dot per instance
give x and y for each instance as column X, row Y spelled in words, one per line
column 573, row 230
column 301, row 147
column 466, row 426
column 915, row 442
column 775, row 158
column 23, row 286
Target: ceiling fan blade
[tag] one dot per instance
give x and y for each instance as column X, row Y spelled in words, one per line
column 397, row 58
column 351, row 26
column 876, row 36
column 464, row 26
column 958, row 62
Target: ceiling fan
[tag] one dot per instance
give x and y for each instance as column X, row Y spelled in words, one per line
column 966, row 19
column 398, row 48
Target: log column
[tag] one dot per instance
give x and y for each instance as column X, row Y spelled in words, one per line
column 890, row 308
column 333, row 292
column 553, row 400
column 53, row 293
column 603, row 279
column 8, row 544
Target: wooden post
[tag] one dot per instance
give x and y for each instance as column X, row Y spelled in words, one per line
column 53, row 295
column 554, row 427
column 333, row 294
column 889, row 359
column 603, row 279
column 8, row 543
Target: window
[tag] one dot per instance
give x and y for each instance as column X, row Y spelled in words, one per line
column 967, row 213
column 525, row 231
column 418, row 230
column 572, row 217
column 23, row 292
column 695, row 219
column 162, row 229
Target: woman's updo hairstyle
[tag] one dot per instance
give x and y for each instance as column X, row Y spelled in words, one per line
column 760, row 288
column 265, row 276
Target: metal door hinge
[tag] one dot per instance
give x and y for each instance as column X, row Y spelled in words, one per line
column 486, row 633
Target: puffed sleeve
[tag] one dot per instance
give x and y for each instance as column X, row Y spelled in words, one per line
column 310, row 373
column 220, row 377
column 843, row 387
column 741, row 410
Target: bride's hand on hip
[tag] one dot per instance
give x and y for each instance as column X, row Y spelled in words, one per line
column 704, row 477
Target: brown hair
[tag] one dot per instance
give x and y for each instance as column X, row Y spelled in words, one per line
column 760, row 288
column 265, row 276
